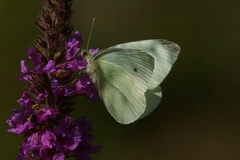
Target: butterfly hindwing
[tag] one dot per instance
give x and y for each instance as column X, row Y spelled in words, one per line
column 153, row 98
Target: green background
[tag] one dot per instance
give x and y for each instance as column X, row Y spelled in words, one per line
column 199, row 116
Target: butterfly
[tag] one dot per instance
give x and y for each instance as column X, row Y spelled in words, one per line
column 128, row 76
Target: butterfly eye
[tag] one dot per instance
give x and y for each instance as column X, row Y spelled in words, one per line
column 84, row 54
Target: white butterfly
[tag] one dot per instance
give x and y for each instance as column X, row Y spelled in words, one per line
column 128, row 76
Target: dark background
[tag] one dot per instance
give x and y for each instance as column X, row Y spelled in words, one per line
column 199, row 116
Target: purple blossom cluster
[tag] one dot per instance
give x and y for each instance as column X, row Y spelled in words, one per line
column 44, row 118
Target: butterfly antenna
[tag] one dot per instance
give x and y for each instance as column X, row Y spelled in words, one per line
column 94, row 19
column 89, row 37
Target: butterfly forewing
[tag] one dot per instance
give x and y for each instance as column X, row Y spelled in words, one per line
column 165, row 53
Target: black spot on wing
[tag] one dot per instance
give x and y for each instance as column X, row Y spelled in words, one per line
column 135, row 69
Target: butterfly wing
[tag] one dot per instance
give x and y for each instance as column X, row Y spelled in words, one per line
column 153, row 98
column 122, row 77
column 165, row 53
column 132, row 71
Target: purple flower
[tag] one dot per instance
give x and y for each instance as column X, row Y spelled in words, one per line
column 25, row 101
column 34, row 57
column 48, row 139
column 79, row 63
column 84, row 86
column 61, row 90
column 66, row 138
column 53, row 84
column 22, row 128
column 19, row 119
column 49, row 67
column 41, row 96
column 45, row 115
column 69, row 135
column 73, row 45
column 45, row 121
column 82, row 150
column 85, row 148
column 24, row 68
column 93, row 51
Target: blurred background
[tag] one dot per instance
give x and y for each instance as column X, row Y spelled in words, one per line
column 199, row 116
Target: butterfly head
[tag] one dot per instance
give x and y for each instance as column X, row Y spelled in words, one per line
column 87, row 54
